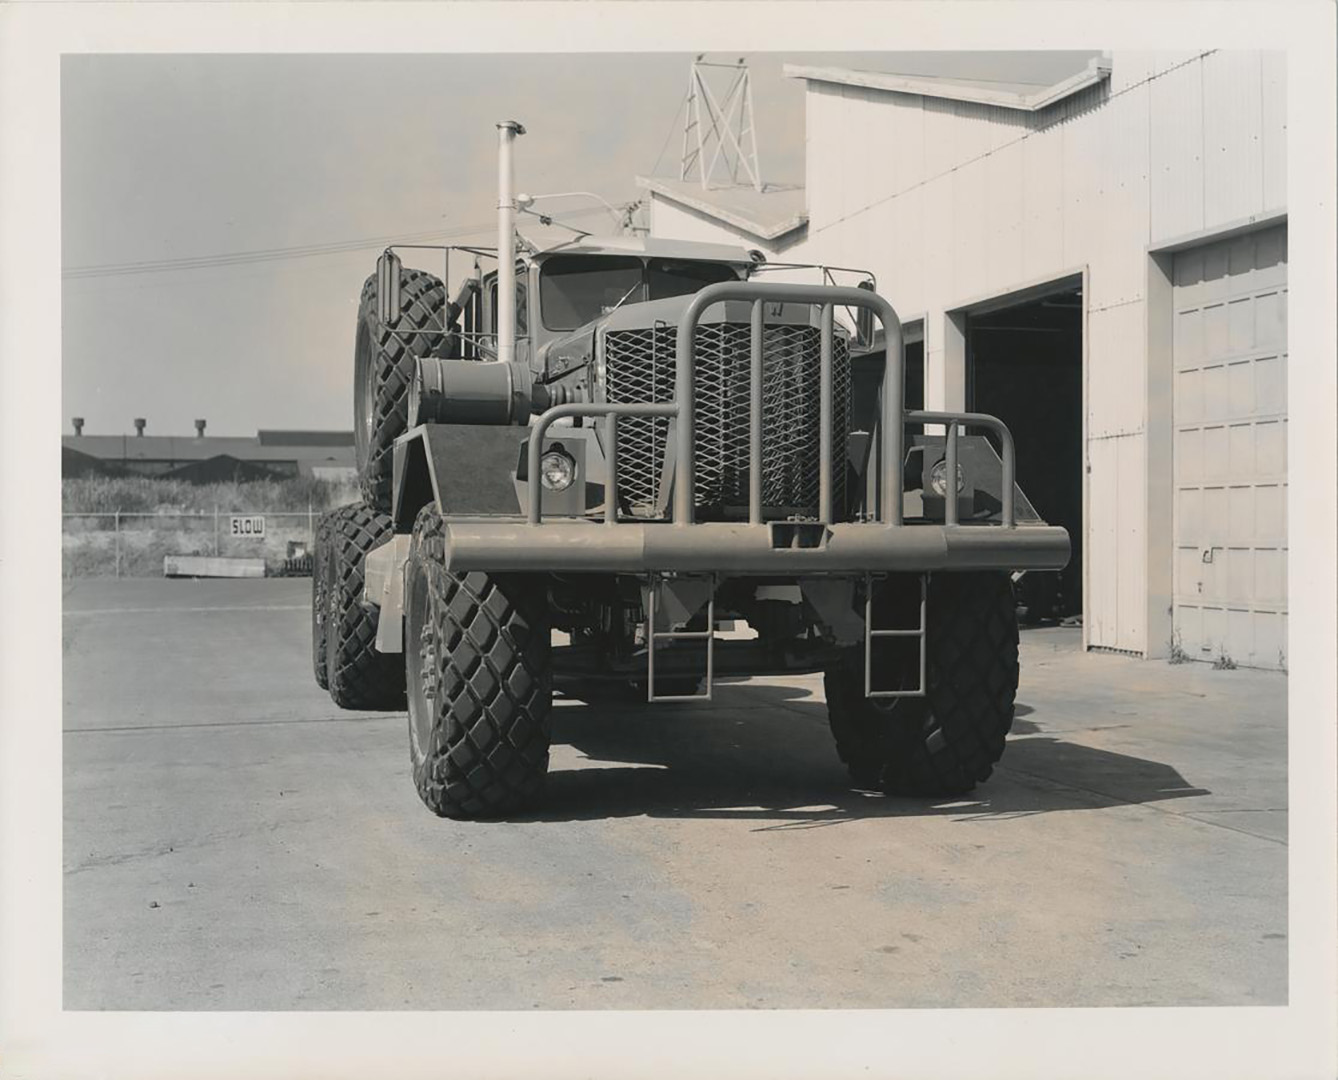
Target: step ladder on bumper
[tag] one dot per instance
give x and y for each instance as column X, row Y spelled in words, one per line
column 870, row 632
column 653, row 637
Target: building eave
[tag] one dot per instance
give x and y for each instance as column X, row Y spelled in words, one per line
column 1096, row 71
column 772, row 230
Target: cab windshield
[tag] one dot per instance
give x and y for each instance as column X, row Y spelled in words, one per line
column 574, row 289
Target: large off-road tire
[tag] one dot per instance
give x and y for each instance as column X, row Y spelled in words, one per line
column 383, row 368
column 480, row 691
column 320, row 600
column 358, row 675
column 948, row 741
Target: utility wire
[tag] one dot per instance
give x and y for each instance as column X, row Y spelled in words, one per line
column 264, row 255
column 672, row 125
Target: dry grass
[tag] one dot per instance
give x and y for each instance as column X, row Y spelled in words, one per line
column 146, row 494
column 179, row 519
column 1176, row 653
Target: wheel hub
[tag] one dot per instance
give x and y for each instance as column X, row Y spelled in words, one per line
column 427, row 660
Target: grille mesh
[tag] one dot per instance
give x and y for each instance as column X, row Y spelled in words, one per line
column 639, row 367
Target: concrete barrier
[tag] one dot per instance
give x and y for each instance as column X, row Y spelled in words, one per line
column 212, row 566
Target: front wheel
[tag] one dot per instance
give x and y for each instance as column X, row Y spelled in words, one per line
column 476, row 651
column 949, row 740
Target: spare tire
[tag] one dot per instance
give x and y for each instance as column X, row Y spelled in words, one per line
column 383, row 368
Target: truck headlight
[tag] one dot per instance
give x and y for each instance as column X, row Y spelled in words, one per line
column 938, row 478
column 557, row 470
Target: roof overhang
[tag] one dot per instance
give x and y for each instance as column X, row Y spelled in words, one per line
column 1019, row 98
column 787, row 221
column 653, row 246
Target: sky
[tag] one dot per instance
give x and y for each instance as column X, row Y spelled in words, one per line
column 178, row 157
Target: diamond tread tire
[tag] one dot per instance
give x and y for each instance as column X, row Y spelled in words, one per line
column 383, row 362
column 948, row 741
column 358, row 675
column 320, row 604
column 477, row 650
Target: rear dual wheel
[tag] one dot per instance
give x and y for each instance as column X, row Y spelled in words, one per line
column 344, row 622
column 320, row 603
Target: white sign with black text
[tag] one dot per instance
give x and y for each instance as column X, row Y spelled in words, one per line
column 252, row 526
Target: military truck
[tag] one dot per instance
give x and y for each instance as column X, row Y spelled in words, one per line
column 622, row 466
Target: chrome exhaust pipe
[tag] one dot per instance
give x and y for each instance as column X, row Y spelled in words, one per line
column 507, row 131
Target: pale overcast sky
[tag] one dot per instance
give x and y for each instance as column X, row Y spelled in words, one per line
column 174, row 157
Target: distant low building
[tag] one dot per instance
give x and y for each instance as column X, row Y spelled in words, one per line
column 271, row 453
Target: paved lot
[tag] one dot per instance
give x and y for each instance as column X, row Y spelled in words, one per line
column 233, row 841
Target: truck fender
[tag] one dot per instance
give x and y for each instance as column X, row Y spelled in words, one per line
column 383, row 584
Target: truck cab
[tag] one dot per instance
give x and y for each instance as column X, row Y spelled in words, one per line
column 561, row 291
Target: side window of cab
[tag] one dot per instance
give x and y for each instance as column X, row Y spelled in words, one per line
column 522, row 304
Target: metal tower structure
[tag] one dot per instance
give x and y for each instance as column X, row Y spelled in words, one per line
column 718, row 129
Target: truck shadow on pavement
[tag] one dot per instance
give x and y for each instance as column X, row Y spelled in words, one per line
column 767, row 755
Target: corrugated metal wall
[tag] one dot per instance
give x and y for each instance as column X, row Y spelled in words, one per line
column 949, row 202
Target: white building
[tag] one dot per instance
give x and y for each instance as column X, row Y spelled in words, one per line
column 1103, row 264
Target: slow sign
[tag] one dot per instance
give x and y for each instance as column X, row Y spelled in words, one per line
column 249, row 526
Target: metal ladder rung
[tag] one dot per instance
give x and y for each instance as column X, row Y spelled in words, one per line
column 870, row 632
column 708, row 635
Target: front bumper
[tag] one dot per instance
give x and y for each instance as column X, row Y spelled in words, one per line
column 736, row 549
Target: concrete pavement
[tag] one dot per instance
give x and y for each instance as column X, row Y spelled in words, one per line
column 234, row 841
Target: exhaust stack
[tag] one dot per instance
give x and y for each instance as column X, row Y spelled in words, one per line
column 507, row 131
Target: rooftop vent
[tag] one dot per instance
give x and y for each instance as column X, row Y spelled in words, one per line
column 78, row 422
column 199, row 429
column 139, row 425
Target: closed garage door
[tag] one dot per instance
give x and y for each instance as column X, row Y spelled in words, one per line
column 1231, row 449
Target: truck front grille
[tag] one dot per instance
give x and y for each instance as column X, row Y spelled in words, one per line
column 639, row 367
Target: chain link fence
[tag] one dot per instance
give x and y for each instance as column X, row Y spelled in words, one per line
column 120, row 544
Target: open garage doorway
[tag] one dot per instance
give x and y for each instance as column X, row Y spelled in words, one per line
column 1024, row 365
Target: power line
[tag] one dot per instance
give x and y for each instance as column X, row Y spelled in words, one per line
column 673, row 125
column 240, row 258
column 265, row 255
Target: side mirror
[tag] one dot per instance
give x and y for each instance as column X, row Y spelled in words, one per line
column 864, row 319
column 388, row 304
